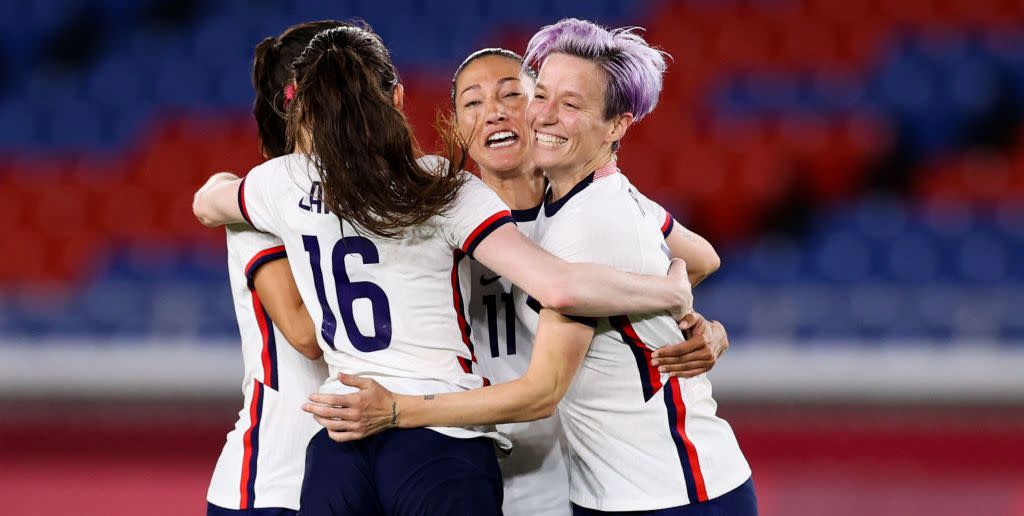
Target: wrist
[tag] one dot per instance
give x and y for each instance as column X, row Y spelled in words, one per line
column 404, row 411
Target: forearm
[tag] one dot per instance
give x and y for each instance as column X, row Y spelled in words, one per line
column 510, row 402
column 597, row 291
column 300, row 331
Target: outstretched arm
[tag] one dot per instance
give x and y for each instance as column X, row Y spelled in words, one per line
column 559, row 348
column 583, row 289
column 216, row 202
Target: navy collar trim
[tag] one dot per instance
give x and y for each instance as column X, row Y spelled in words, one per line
column 551, row 208
column 527, row 215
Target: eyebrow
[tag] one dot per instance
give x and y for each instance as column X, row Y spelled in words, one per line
column 501, row 81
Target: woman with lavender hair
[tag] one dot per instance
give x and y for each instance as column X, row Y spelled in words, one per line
column 637, row 439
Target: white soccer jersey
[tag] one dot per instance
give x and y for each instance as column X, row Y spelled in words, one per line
column 263, row 460
column 637, row 439
column 390, row 309
column 534, row 474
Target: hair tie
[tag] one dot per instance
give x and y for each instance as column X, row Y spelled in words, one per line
column 289, row 94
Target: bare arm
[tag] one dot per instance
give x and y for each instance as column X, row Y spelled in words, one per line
column 216, row 202
column 280, row 297
column 584, row 289
column 701, row 258
column 559, row 349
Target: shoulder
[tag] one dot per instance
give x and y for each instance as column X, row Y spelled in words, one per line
column 294, row 169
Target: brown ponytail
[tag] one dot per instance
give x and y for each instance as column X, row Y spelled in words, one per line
column 271, row 73
column 363, row 146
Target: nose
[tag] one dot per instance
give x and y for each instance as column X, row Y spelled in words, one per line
column 495, row 113
column 545, row 113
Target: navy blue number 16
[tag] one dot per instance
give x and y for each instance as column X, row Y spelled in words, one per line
column 349, row 292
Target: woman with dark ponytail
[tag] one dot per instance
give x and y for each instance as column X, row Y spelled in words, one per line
column 378, row 241
column 279, row 348
column 271, row 75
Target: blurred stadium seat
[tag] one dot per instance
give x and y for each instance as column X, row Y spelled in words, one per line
column 859, row 164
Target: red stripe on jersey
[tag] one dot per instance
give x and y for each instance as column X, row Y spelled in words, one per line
column 249, row 443
column 666, row 228
column 655, row 375
column 263, row 321
column 460, row 314
column 691, row 450
column 469, row 243
column 608, row 169
column 262, row 257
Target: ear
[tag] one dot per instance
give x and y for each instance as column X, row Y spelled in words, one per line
column 619, row 127
column 398, row 97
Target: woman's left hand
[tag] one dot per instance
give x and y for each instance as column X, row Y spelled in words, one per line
column 353, row 416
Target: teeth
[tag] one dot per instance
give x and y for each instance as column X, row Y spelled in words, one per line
column 500, row 136
column 499, row 145
column 550, row 139
column 501, row 139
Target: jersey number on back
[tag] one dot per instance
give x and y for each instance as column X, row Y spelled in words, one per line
column 348, row 292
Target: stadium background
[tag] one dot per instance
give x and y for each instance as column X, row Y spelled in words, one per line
column 858, row 163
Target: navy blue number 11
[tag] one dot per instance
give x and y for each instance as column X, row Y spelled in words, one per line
column 348, row 292
column 491, row 302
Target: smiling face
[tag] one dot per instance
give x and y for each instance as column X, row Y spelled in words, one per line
column 567, row 116
column 490, row 107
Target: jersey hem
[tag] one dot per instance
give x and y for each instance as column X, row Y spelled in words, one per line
column 652, row 504
column 266, row 502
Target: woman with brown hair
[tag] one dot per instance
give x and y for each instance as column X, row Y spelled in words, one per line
column 260, row 467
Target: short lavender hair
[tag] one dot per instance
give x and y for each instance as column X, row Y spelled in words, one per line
column 633, row 67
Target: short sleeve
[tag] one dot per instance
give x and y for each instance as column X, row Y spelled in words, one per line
column 476, row 213
column 266, row 255
column 253, row 249
column 257, row 200
column 660, row 214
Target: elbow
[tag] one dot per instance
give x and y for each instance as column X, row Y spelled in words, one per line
column 543, row 406
column 202, row 211
column 546, row 409
column 311, row 351
column 705, row 267
column 560, row 295
column 714, row 263
column 304, row 341
column 709, row 267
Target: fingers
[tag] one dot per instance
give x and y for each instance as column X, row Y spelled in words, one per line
column 334, row 425
column 690, row 373
column 344, row 437
column 354, row 381
column 701, row 356
column 678, row 266
column 336, row 400
column 690, row 320
column 680, row 349
column 332, row 412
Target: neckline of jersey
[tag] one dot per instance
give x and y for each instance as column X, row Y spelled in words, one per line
column 551, row 208
column 528, row 214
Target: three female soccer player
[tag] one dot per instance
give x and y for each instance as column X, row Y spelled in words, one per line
column 380, row 234
column 637, row 439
